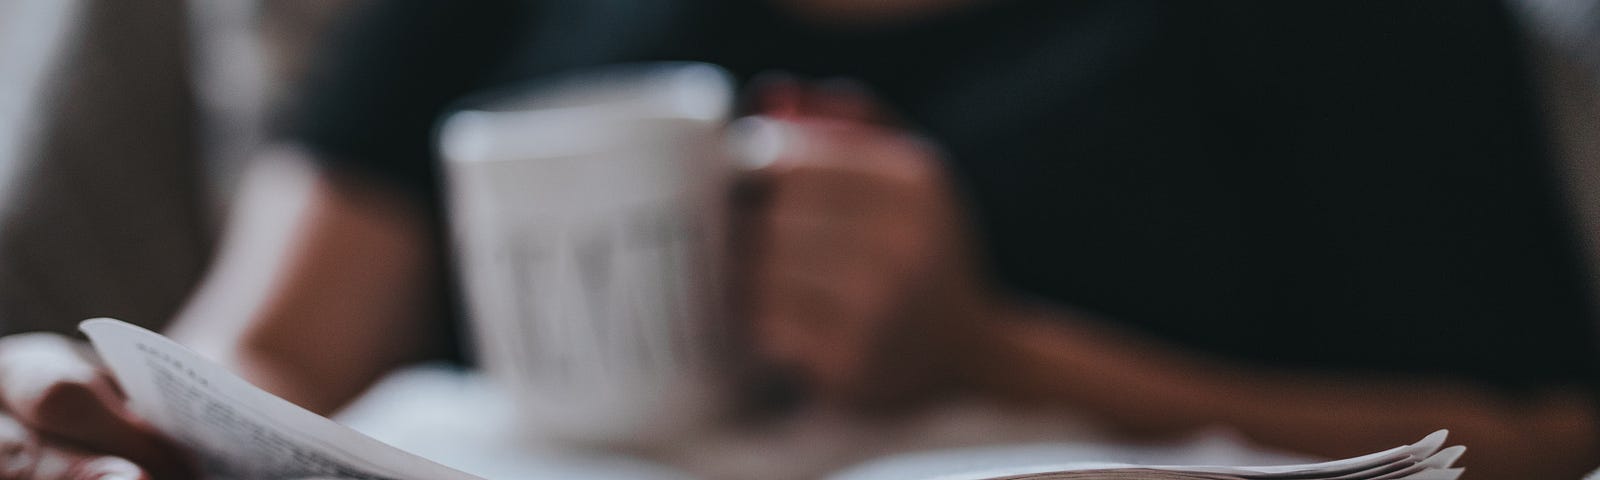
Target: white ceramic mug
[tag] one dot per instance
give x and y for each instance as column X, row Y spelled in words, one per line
column 588, row 215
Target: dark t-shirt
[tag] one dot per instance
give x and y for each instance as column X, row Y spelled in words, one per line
column 1330, row 185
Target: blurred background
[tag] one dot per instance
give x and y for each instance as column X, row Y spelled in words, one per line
column 124, row 129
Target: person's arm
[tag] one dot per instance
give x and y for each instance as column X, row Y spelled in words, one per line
column 325, row 280
column 1043, row 357
column 868, row 285
column 324, row 283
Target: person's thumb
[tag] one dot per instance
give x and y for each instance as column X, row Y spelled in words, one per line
column 25, row 456
column 53, row 386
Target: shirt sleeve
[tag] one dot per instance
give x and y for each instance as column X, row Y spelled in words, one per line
column 384, row 77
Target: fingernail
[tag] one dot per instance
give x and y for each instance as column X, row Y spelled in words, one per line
column 757, row 142
column 776, row 93
column 113, row 468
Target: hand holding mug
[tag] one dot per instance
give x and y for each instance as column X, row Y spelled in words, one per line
column 864, row 276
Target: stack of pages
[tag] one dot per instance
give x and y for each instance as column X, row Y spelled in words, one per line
column 239, row 431
column 1424, row 460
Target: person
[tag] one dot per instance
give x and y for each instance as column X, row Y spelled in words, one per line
column 1332, row 227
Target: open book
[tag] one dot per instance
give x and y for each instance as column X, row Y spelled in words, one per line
column 239, row 431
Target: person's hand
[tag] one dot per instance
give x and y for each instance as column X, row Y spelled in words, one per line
column 64, row 419
column 864, row 277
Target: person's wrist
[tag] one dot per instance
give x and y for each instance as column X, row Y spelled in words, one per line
column 1052, row 357
column 1001, row 370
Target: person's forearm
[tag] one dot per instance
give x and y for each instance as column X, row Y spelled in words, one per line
column 263, row 225
column 1149, row 388
column 323, row 285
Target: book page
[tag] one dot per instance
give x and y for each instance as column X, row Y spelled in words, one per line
column 236, row 430
column 1424, row 460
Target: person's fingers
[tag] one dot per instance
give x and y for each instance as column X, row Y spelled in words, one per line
column 820, row 310
column 841, row 237
column 784, row 96
column 778, row 94
column 59, row 463
column 872, row 211
column 53, row 386
column 25, row 456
